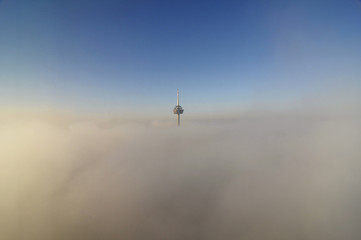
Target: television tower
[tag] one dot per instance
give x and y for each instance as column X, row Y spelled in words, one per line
column 178, row 109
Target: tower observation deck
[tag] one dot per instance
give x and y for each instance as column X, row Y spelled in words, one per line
column 178, row 109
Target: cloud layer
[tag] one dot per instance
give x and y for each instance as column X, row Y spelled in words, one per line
column 265, row 176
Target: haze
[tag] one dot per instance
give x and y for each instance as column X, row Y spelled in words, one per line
column 258, row 176
column 269, row 142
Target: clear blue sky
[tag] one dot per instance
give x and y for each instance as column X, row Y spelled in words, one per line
column 133, row 55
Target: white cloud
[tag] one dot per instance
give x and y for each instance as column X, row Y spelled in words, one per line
column 266, row 176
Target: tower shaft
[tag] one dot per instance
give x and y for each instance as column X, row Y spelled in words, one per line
column 178, row 109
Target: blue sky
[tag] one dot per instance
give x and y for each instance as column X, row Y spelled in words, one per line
column 128, row 56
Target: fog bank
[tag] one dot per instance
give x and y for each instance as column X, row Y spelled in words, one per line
column 266, row 176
